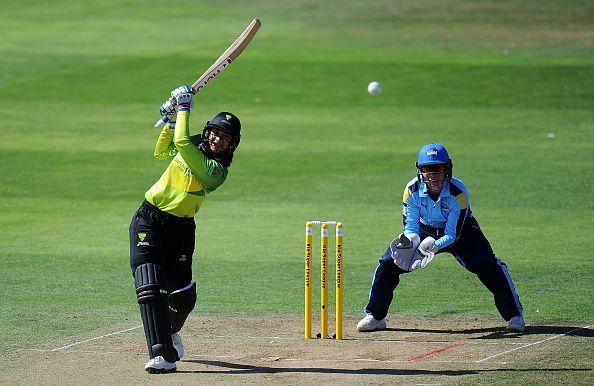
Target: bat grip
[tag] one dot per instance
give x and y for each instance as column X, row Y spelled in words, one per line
column 161, row 122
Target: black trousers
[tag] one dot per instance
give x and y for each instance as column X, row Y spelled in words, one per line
column 160, row 238
column 473, row 251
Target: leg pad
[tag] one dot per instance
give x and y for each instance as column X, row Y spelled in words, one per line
column 151, row 294
column 181, row 303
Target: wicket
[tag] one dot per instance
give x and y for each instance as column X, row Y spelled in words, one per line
column 323, row 278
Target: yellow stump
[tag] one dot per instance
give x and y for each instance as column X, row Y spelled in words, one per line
column 308, row 283
column 339, row 282
column 324, row 282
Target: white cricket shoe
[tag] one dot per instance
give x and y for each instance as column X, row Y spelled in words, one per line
column 178, row 345
column 369, row 323
column 516, row 324
column 159, row 365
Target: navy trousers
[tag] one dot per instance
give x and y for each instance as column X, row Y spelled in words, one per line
column 473, row 251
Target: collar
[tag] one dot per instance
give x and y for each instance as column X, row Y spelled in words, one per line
column 445, row 189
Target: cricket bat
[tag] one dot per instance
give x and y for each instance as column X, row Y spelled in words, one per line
column 226, row 58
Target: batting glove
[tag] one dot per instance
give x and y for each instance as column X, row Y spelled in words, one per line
column 184, row 97
column 169, row 112
column 180, row 90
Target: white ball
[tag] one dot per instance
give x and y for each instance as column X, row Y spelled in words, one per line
column 374, row 88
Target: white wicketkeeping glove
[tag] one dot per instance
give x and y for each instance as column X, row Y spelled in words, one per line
column 404, row 251
column 428, row 246
column 428, row 249
column 423, row 261
column 407, row 252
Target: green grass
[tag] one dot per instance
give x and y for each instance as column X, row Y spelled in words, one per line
column 491, row 80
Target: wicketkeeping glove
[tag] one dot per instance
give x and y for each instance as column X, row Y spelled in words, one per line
column 407, row 253
column 428, row 246
column 428, row 249
column 404, row 249
column 422, row 263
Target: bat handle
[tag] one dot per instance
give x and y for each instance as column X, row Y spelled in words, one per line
column 161, row 122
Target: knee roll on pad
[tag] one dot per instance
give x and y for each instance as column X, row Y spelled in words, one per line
column 152, row 297
column 181, row 303
column 150, row 283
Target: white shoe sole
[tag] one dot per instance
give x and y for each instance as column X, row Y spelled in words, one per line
column 377, row 326
column 159, row 365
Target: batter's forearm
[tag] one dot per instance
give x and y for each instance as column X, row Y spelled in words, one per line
column 163, row 147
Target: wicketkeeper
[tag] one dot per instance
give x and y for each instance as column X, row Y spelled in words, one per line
column 437, row 219
column 162, row 230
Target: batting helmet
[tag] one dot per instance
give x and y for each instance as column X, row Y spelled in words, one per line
column 227, row 123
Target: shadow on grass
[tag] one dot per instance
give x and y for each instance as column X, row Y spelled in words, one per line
column 567, row 330
column 237, row 368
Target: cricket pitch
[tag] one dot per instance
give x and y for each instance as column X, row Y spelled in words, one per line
column 451, row 349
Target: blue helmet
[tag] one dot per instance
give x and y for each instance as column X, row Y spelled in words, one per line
column 431, row 154
column 434, row 154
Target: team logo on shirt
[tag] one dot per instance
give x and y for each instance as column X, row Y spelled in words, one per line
column 445, row 207
column 215, row 170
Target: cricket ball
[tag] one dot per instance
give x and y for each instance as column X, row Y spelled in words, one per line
column 374, row 88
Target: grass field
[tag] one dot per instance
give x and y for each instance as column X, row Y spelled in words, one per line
column 506, row 86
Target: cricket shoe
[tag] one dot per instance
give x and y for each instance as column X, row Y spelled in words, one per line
column 369, row 323
column 516, row 324
column 178, row 345
column 160, row 365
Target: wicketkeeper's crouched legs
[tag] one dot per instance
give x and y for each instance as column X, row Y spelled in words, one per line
column 154, row 309
column 477, row 256
column 385, row 279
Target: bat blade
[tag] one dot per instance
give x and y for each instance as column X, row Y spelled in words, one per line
column 226, row 58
